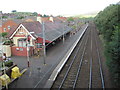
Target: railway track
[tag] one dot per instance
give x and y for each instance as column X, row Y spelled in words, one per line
column 83, row 68
column 98, row 60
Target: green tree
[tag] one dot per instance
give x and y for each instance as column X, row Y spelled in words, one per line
column 35, row 14
column 108, row 24
column 4, row 34
column 106, row 20
column 45, row 15
column 4, row 17
column 70, row 19
column 113, row 54
column 20, row 17
column 13, row 11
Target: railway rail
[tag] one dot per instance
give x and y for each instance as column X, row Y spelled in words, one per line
column 83, row 68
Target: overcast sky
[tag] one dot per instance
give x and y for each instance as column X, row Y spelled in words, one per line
column 55, row 7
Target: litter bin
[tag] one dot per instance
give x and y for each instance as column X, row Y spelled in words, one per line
column 4, row 79
column 15, row 72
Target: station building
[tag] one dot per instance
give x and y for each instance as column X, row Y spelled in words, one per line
column 30, row 34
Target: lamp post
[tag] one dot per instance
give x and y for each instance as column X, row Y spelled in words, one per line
column 63, row 32
column 63, row 35
column 44, row 47
column 28, row 59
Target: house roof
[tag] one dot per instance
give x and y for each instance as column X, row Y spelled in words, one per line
column 53, row 30
column 12, row 30
column 35, row 26
column 9, row 22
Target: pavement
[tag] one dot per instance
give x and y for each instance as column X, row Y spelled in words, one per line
column 38, row 73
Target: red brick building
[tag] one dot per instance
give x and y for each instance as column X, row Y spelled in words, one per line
column 7, row 25
column 30, row 33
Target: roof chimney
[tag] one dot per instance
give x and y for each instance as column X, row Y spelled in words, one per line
column 51, row 19
column 39, row 19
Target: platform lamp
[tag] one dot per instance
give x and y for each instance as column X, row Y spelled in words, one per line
column 27, row 42
column 63, row 32
column 44, row 47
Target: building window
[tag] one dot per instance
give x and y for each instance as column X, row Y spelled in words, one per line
column 39, row 45
column 22, row 42
column 8, row 27
column 4, row 29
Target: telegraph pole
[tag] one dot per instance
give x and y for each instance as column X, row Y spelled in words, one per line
column 44, row 47
column 28, row 61
column 63, row 32
column 63, row 35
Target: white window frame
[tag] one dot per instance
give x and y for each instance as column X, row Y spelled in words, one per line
column 4, row 29
column 39, row 45
column 22, row 43
column 9, row 27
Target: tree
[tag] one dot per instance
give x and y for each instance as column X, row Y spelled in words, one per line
column 4, row 34
column 108, row 24
column 70, row 19
column 13, row 11
column 45, row 15
column 113, row 52
column 106, row 20
column 4, row 17
column 20, row 17
column 35, row 14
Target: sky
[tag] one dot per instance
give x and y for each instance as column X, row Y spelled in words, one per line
column 55, row 7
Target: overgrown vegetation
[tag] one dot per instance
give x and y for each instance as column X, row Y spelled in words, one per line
column 8, row 42
column 4, row 17
column 3, row 34
column 20, row 17
column 70, row 19
column 108, row 24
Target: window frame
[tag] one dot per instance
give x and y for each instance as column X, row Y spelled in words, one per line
column 9, row 27
column 4, row 29
column 22, row 42
column 38, row 45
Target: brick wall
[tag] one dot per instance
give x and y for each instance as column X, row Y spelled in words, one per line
column 21, row 51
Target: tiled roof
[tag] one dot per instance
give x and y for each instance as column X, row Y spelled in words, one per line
column 35, row 26
column 12, row 29
column 53, row 30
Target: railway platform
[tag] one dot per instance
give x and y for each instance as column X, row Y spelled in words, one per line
column 38, row 74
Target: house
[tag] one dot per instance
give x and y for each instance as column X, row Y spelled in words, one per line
column 30, row 34
column 7, row 25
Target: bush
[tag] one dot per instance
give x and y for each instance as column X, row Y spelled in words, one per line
column 8, row 63
column 4, row 34
column 21, row 17
column 8, row 42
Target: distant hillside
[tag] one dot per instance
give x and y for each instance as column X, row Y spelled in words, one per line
column 87, row 15
column 23, row 13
